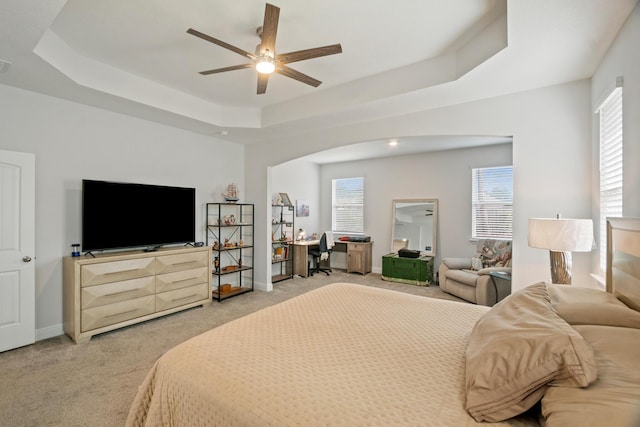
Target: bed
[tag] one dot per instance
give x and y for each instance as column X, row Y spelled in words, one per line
column 347, row 354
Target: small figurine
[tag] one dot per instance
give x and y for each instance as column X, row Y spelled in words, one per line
column 215, row 245
column 241, row 242
column 231, row 194
column 216, row 264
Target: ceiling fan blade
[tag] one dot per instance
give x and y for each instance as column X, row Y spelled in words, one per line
column 263, row 79
column 270, row 28
column 222, row 70
column 301, row 55
column 213, row 40
column 297, row 75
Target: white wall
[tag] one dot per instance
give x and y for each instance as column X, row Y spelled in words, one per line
column 622, row 60
column 300, row 180
column 551, row 129
column 444, row 175
column 72, row 142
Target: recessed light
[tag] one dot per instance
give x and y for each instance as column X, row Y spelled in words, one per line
column 393, row 143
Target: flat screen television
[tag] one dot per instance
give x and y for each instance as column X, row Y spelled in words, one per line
column 118, row 215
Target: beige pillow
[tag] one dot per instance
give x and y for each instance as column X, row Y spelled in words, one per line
column 585, row 306
column 518, row 349
column 614, row 398
column 476, row 264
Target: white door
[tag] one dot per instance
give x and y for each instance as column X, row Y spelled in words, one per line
column 17, row 244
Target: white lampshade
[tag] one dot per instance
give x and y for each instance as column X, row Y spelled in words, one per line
column 561, row 235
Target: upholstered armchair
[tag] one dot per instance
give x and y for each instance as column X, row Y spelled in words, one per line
column 470, row 279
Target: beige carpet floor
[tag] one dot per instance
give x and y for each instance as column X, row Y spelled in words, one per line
column 55, row 382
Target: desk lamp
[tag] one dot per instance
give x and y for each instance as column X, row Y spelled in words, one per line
column 561, row 237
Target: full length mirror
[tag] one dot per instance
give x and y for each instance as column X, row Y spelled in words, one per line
column 415, row 222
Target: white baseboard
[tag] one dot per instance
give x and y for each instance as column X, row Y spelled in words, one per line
column 262, row 286
column 49, row 332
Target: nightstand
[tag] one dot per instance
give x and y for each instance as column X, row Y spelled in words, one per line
column 502, row 283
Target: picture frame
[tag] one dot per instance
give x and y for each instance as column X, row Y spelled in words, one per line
column 302, row 208
column 285, row 199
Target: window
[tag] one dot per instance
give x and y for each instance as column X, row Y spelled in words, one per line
column 348, row 205
column 492, row 203
column 610, row 165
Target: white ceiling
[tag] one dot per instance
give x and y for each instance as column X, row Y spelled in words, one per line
column 136, row 58
column 149, row 39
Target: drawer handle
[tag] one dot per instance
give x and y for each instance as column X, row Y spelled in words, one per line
column 120, row 292
column 183, row 262
column 183, row 298
column 120, row 314
column 184, row 280
column 121, row 271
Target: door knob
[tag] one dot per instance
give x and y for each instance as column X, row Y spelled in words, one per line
column 26, row 259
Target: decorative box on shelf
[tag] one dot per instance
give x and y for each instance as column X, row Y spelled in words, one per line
column 415, row 271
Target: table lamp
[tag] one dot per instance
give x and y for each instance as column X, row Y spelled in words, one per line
column 561, row 237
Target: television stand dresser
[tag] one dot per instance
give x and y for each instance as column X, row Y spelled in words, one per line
column 115, row 290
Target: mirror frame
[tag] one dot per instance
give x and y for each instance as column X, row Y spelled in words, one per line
column 432, row 252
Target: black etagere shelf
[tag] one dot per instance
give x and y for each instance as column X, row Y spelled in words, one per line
column 282, row 236
column 230, row 233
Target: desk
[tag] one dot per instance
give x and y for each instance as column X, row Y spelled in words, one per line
column 358, row 256
column 301, row 256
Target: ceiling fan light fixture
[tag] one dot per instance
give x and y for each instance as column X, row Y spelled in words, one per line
column 264, row 59
column 266, row 63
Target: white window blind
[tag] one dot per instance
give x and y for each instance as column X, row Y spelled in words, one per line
column 348, row 205
column 610, row 165
column 492, row 203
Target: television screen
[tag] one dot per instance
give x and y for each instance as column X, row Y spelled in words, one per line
column 119, row 215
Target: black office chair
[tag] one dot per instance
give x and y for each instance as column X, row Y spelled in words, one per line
column 316, row 253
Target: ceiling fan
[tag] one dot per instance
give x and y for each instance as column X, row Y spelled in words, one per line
column 265, row 60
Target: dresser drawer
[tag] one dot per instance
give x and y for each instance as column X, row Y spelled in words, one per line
column 357, row 247
column 110, row 314
column 180, row 262
column 178, row 297
column 181, row 279
column 109, row 293
column 116, row 271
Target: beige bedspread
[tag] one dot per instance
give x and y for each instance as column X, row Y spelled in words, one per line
column 343, row 354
